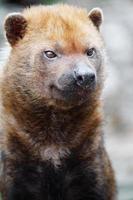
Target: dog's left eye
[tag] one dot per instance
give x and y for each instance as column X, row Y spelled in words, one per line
column 91, row 52
column 50, row 54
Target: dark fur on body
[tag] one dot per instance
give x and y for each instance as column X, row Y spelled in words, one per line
column 84, row 174
column 75, row 179
column 78, row 167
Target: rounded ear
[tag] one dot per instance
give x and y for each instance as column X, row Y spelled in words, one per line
column 15, row 27
column 96, row 16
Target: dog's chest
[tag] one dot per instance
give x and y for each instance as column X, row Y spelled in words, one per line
column 54, row 155
column 72, row 180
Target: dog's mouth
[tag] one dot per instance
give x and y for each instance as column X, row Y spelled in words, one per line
column 70, row 95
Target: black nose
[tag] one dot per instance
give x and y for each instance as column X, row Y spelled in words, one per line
column 84, row 77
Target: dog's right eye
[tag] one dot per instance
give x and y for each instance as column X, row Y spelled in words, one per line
column 91, row 52
column 50, row 54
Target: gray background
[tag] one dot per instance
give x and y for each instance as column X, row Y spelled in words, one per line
column 118, row 94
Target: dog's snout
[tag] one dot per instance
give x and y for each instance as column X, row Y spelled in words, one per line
column 84, row 76
column 80, row 77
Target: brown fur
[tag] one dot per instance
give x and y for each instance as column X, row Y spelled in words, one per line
column 34, row 121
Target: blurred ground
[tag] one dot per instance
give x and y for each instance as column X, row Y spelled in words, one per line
column 118, row 94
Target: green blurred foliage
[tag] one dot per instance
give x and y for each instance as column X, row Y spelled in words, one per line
column 49, row 1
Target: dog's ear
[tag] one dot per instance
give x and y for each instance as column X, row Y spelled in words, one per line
column 15, row 27
column 96, row 16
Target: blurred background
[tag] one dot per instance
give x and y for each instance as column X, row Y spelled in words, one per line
column 118, row 94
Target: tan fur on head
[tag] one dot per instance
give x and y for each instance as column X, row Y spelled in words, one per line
column 38, row 18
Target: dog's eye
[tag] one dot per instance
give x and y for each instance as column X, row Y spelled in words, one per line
column 50, row 54
column 91, row 52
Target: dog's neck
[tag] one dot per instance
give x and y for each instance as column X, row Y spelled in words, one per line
column 46, row 124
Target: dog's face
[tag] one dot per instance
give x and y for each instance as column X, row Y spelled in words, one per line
column 57, row 54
